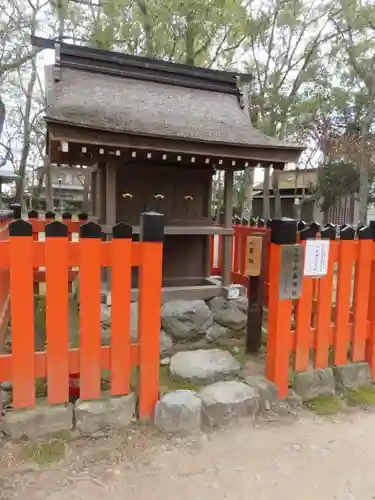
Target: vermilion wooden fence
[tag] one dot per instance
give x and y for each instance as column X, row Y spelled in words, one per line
column 334, row 320
column 239, row 265
column 21, row 254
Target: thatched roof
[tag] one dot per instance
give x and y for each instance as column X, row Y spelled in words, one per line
column 113, row 92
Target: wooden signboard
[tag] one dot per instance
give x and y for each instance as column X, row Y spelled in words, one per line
column 254, row 255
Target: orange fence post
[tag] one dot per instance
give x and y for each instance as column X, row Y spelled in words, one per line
column 344, row 282
column 283, row 232
column 362, row 293
column 56, row 252
column 22, row 313
column 324, row 304
column 121, row 246
column 149, row 303
column 90, row 281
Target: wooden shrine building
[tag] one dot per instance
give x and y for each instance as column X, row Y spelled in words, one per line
column 155, row 132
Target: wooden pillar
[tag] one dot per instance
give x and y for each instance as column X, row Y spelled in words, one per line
column 228, row 210
column 110, row 195
column 94, row 194
column 102, row 193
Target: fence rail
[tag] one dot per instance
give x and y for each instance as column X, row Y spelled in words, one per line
column 21, row 254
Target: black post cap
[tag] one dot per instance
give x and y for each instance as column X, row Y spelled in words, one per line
column 308, row 233
column 33, row 214
column 90, row 230
column 17, row 210
column 253, row 221
column 56, row 229
column 122, row 230
column 269, row 223
column 20, row 228
column 67, row 216
column 245, row 221
column 315, row 226
column 82, row 216
column 284, row 231
column 260, row 222
column 364, row 233
column 152, row 227
column 301, row 225
column 328, row 232
column 346, row 232
column 50, row 215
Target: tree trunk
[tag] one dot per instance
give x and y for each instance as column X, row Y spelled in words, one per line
column 49, row 190
column 147, row 27
column 266, row 194
column 190, row 39
column 276, row 193
column 26, row 137
column 2, row 116
column 86, row 191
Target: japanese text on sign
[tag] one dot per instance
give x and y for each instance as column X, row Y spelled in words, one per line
column 316, row 257
column 291, row 273
column 253, row 255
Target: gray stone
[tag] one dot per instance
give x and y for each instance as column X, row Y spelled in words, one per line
column 227, row 401
column 229, row 313
column 353, row 375
column 313, row 383
column 178, row 412
column 6, row 399
column 115, row 412
column 105, row 314
column 267, row 390
column 186, row 319
column 165, row 361
column 134, row 321
column 36, row 422
column 216, row 332
column 166, row 343
column 203, row 365
column 293, row 399
column 7, row 386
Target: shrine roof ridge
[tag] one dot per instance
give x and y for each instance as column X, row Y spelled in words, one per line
column 114, row 63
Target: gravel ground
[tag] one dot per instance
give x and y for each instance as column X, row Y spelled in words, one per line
column 309, row 458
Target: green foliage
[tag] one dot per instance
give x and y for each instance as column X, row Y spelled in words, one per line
column 335, row 181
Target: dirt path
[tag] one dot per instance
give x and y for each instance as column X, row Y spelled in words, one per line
column 312, row 459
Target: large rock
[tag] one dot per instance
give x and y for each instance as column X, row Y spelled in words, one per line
column 178, row 411
column 186, row 319
column 36, row 422
column 166, row 343
column 353, row 375
column 313, row 383
column 267, row 390
column 94, row 416
column 217, row 332
column 229, row 313
column 203, row 365
column 226, row 401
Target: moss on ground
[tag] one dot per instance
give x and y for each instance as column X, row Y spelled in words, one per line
column 361, row 396
column 324, row 405
column 45, row 452
column 168, row 384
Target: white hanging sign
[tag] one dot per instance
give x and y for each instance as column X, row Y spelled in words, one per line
column 316, row 258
